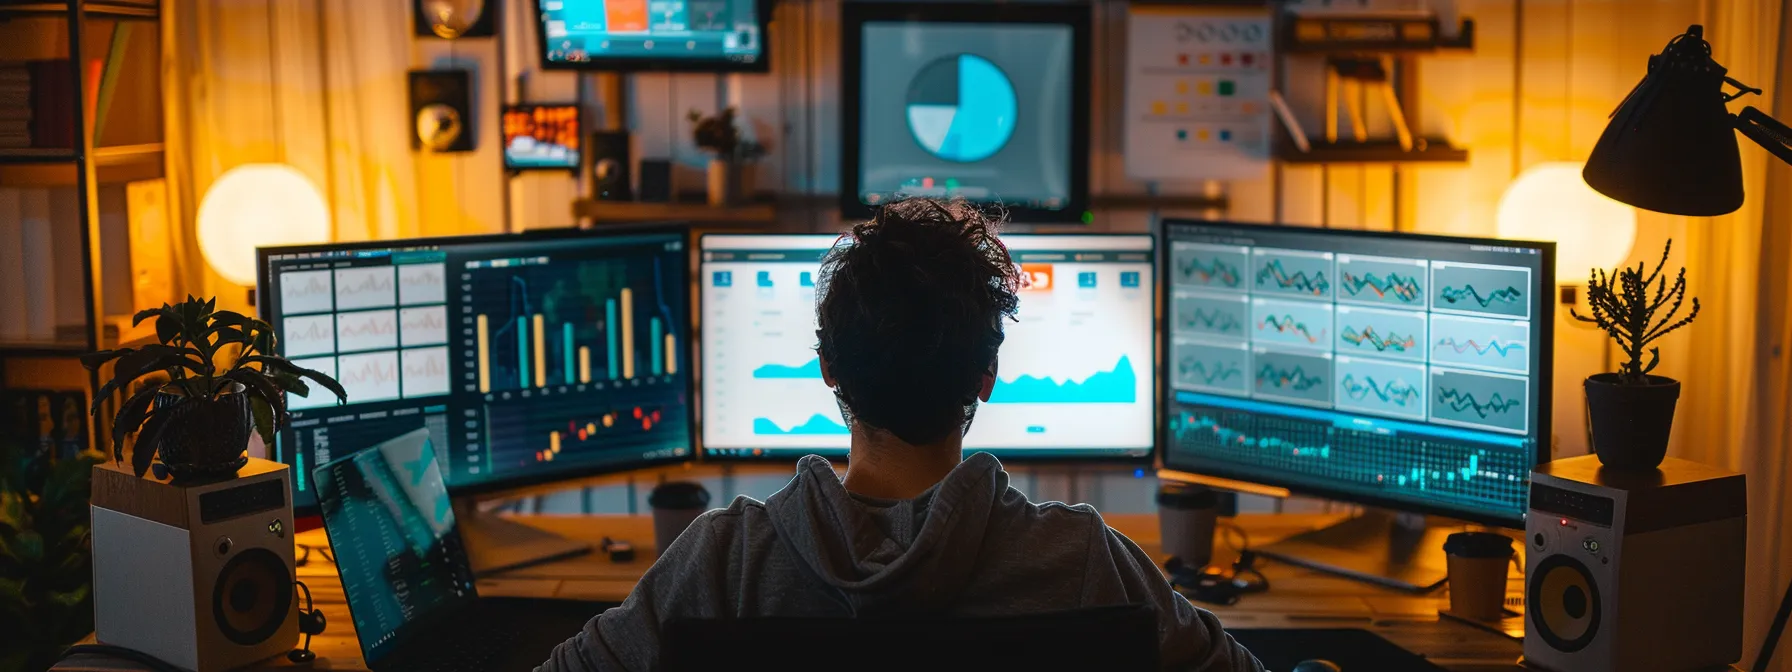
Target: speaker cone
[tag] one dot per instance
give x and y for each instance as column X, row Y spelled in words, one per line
column 1564, row 603
column 252, row 597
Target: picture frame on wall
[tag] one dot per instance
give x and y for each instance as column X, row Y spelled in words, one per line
column 454, row 19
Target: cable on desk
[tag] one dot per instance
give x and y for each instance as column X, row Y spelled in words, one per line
column 119, row 652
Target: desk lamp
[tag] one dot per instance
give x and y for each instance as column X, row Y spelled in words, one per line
column 1669, row 149
column 1669, row 146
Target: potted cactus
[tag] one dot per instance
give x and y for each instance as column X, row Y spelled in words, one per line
column 193, row 398
column 1630, row 413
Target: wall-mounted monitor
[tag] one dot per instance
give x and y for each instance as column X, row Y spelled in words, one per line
column 663, row 35
column 541, row 137
column 985, row 102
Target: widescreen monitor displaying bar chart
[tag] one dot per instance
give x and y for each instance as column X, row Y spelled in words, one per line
column 1076, row 375
column 1400, row 370
column 526, row 358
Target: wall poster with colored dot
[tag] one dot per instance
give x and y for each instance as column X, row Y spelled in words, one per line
column 1197, row 92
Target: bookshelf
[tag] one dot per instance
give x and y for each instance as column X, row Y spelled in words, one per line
column 106, row 71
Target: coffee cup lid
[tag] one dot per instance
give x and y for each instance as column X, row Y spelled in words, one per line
column 1186, row 496
column 679, row 495
column 1478, row 545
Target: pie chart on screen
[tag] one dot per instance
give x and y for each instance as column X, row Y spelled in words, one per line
column 961, row 108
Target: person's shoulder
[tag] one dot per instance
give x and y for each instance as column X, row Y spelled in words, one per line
column 1056, row 515
column 743, row 517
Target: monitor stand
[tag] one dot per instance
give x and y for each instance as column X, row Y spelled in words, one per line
column 1396, row 550
column 495, row 543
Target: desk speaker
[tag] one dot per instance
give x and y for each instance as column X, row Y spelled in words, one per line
column 200, row 576
column 1639, row 571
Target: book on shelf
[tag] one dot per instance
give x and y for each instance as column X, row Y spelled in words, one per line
column 40, row 280
column 52, row 99
column 12, row 266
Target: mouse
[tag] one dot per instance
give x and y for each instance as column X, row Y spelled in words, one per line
column 1316, row 665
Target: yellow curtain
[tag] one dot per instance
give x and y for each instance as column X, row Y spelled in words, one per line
column 1733, row 394
column 319, row 85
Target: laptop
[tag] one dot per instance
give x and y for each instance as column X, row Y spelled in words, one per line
column 406, row 575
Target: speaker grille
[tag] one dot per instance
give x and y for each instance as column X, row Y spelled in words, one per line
column 252, row 597
column 1564, row 603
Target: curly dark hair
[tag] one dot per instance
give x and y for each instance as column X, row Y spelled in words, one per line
column 910, row 306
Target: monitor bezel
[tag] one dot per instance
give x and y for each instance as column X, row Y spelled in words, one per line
column 1543, row 322
column 1145, row 458
column 504, row 143
column 854, row 16
column 523, row 482
column 762, row 10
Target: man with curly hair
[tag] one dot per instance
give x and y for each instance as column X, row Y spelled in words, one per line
column 911, row 307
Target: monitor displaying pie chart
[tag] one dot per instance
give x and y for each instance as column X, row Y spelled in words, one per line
column 961, row 108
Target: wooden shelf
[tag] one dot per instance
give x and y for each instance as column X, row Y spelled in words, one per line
column 767, row 212
column 42, row 348
column 1429, row 150
column 1371, row 35
column 612, row 212
column 148, row 10
column 56, row 167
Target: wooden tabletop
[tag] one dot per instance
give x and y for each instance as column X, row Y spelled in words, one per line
column 1298, row 597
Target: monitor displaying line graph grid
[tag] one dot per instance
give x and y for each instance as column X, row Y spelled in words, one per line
column 1396, row 369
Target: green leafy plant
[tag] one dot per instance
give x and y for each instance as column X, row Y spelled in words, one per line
column 1623, row 306
column 204, row 354
column 720, row 136
column 46, row 563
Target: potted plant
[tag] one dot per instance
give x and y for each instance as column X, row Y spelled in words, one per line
column 731, row 155
column 1629, row 413
column 212, row 378
column 46, row 563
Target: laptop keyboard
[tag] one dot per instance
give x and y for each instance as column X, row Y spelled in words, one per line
column 476, row 644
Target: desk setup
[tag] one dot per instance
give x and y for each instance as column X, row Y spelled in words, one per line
column 1410, row 375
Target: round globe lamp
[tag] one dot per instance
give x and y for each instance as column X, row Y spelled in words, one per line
column 258, row 205
column 1552, row 202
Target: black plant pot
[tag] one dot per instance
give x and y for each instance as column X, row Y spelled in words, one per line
column 1629, row 424
column 205, row 438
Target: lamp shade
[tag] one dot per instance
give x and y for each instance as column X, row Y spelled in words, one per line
column 1551, row 202
column 1671, row 145
column 258, row 205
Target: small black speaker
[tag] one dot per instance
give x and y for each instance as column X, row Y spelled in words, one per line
column 442, row 111
column 656, row 180
column 609, row 166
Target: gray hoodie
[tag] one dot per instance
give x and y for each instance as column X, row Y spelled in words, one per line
column 970, row 546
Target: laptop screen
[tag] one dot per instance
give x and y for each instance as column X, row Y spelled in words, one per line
column 392, row 529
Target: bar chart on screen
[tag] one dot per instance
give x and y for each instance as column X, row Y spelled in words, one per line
column 599, row 322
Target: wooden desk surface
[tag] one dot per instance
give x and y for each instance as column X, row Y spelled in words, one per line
column 1298, row 597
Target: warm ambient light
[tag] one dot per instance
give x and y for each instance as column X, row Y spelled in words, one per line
column 258, row 205
column 1551, row 202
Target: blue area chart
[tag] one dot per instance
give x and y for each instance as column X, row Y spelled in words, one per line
column 961, row 108
column 808, row 370
column 816, row 425
column 1116, row 386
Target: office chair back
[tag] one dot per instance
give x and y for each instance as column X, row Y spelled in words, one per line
column 1107, row 638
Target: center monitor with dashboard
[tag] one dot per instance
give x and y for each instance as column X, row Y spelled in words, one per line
column 1404, row 371
column 986, row 102
column 1076, row 377
column 525, row 358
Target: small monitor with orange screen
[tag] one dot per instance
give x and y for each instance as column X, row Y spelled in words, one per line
column 541, row 137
